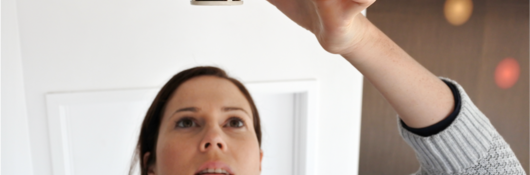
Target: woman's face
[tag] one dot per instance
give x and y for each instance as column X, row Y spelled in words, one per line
column 207, row 128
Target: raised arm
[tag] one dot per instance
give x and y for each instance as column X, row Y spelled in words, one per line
column 470, row 145
column 420, row 98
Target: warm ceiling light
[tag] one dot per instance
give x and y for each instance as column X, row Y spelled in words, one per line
column 507, row 73
column 457, row 12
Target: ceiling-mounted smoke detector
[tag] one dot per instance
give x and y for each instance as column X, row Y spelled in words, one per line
column 216, row 2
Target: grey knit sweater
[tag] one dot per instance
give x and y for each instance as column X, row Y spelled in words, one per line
column 470, row 145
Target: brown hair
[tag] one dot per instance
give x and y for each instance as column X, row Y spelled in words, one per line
column 151, row 124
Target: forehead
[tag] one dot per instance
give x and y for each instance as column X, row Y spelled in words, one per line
column 206, row 92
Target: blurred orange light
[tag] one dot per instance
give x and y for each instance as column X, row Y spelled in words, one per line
column 507, row 73
column 457, row 12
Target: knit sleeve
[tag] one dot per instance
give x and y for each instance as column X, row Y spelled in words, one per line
column 470, row 145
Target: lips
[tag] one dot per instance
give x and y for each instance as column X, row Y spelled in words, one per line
column 214, row 168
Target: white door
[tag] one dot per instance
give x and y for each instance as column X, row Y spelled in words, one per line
column 96, row 132
column 277, row 122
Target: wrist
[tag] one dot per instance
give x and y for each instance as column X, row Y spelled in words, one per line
column 369, row 43
column 365, row 42
column 341, row 40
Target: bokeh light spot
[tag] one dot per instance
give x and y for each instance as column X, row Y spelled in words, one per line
column 457, row 12
column 507, row 73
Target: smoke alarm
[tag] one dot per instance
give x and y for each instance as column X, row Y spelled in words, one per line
column 217, row 2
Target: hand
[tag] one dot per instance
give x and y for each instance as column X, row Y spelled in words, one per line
column 337, row 24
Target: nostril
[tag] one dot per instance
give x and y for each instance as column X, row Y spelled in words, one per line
column 207, row 145
column 219, row 145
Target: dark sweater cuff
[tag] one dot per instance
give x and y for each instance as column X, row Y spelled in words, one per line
column 440, row 126
column 457, row 147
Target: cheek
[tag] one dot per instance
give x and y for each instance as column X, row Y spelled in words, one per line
column 173, row 156
column 247, row 156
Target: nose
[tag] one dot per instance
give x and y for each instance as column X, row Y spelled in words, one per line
column 213, row 140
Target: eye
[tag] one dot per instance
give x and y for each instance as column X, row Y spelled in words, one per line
column 235, row 123
column 186, row 123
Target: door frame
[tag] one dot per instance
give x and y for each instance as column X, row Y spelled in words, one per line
column 305, row 119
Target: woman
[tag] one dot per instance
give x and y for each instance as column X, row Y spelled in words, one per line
column 201, row 122
column 204, row 122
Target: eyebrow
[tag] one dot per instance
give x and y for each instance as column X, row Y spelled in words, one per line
column 190, row 109
column 225, row 109
column 235, row 109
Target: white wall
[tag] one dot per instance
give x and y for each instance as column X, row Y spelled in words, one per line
column 16, row 152
column 119, row 44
